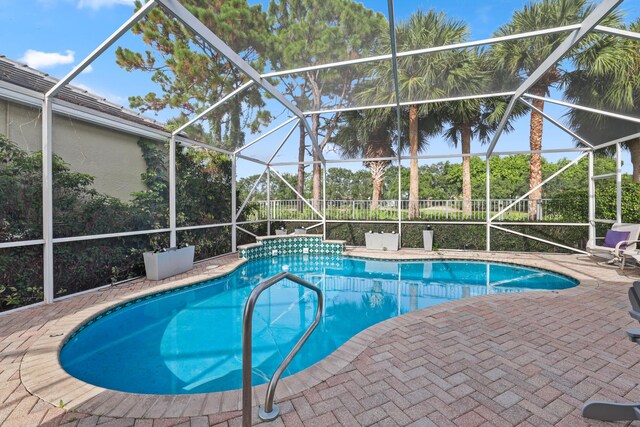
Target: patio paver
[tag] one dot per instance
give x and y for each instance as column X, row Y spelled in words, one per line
column 502, row 359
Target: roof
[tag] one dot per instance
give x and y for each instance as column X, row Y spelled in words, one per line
column 22, row 75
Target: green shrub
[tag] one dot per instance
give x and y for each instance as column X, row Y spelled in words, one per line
column 203, row 194
column 468, row 236
column 20, row 276
column 573, row 205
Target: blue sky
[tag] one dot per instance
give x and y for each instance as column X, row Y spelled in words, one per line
column 54, row 35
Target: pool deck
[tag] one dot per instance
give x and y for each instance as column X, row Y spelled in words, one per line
column 526, row 359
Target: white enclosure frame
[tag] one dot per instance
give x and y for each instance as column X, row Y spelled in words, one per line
column 50, row 104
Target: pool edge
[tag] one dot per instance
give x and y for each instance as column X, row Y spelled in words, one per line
column 43, row 376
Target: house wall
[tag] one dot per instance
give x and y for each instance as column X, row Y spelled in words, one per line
column 112, row 157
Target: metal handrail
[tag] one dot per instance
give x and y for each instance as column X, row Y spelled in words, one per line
column 270, row 410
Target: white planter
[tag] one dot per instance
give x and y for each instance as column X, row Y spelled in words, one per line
column 380, row 267
column 372, row 241
column 281, row 232
column 382, row 241
column 427, row 236
column 174, row 261
column 300, row 231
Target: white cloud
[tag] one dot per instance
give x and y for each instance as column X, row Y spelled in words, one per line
column 87, row 70
column 98, row 4
column 37, row 59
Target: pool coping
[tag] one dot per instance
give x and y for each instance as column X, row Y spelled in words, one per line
column 43, row 376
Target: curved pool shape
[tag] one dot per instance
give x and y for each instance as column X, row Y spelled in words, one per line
column 189, row 340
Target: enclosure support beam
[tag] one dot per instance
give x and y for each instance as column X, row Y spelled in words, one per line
column 618, row 183
column 264, row 135
column 616, row 141
column 446, row 156
column 589, row 23
column 618, row 32
column 427, row 50
column 172, row 192
column 557, row 123
column 592, row 202
column 234, row 202
column 187, row 141
column 246, row 231
column 266, row 169
column 47, row 199
column 284, row 141
column 268, row 200
column 324, row 201
column 583, row 108
column 549, row 242
column 399, row 194
column 396, row 89
column 213, row 107
column 297, row 194
column 141, row 13
column 21, row 243
column 253, row 189
column 47, row 149
column 488, row 203
column 405, row 103
column 556, row 173
column 183, row 15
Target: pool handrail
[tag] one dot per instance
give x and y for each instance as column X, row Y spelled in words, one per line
column 270, row 410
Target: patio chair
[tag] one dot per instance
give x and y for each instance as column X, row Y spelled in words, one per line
column 622, row 249
column 610, row 411
column 634, row 298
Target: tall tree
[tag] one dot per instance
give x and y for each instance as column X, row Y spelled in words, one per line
column 309, row 33
column 476, row 118
column 422, row 77
column 607, row 77
column 472, row 119
column 192, row 75
column 522, row 57
column 368, row 134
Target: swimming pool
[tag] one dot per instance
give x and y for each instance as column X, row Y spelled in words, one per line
column 188, row 340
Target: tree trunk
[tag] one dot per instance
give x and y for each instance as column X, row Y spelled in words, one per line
column 634, row 149
column 236, row 136
column 535, row 162
column 215, row 131
column 466, row 171
column 301, row 152
column 377, row 177
column 414, row 178
column 317, row 178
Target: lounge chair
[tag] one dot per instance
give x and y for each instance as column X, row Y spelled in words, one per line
column 610, row 411
column 622, row 249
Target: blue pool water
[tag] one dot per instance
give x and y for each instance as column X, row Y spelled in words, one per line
column 189, row 340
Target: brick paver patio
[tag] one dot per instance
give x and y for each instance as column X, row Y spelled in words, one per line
column 529, row 359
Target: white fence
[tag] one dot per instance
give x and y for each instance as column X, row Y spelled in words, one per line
column 431, row 210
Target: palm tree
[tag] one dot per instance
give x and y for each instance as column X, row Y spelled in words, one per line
column 607, row 77
column 522, row 57
column 421, row 77
column 475, row 118
column 368, row 134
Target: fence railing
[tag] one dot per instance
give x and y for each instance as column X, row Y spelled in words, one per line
column 424, row 210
